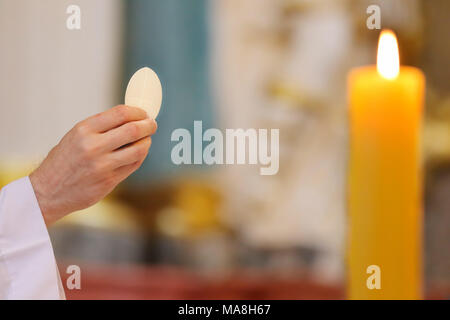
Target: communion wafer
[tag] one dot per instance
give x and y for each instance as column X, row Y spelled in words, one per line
column 144, row 91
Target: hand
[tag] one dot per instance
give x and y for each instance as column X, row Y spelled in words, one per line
column 91, row 160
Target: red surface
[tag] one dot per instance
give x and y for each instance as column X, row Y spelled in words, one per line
column 131, row 282
column 153, row 283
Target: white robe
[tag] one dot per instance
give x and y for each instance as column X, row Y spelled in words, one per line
column 28, row 267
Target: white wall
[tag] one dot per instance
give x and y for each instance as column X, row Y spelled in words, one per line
column 51, row 77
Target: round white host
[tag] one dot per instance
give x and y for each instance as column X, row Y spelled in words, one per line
column 144, row 91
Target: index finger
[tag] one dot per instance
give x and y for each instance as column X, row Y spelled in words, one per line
column 115, row 117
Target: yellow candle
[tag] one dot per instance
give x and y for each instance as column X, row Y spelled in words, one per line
column 385, row 183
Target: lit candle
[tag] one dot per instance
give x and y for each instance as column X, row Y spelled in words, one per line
column 385, row 183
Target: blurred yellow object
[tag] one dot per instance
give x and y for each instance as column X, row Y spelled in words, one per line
column 13, row 169
column 437, row 140
column 437, row 130
column 293, row 97
column 107, row 215
column 194, row 211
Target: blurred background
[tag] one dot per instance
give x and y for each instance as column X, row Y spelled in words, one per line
column 188, row 232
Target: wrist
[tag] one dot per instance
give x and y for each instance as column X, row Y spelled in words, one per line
column 42, row 196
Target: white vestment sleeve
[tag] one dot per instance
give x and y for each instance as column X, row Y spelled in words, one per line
column 28, row 267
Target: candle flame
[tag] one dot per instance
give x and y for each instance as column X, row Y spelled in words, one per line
column 388, row 61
